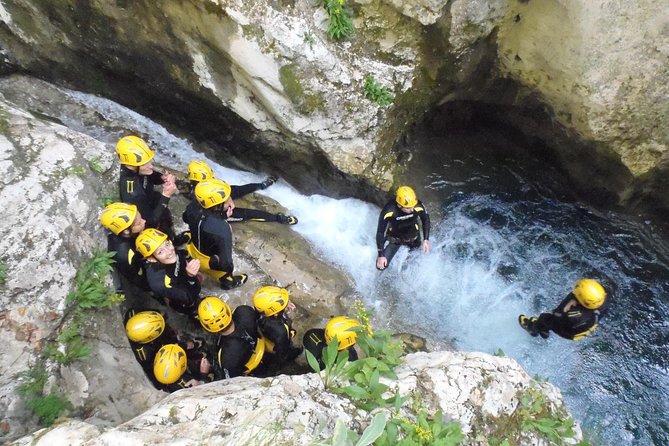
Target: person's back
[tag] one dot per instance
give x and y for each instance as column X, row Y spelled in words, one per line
column 339, row 328
column 236, row 348
column 272, row 304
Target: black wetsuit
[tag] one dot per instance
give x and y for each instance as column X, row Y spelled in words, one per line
column 278, row 329
column 399, row 228
column 127, row 262
column 171, row 282
column 572, row 324
column 139, row 190
column 235, row 349
column 238, row 214
column 314, row 342
column 212, row 236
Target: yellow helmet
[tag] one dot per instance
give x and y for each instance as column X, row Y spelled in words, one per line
column 589, row 293
column 199, row 171
column 117, row 217
column 270, row 300
column 149, row 240
column 133, row 151
column 214, row 314
column 169, row 364
column 145, row 326
column 406, row 197
column 212, row 192
column 340, row 326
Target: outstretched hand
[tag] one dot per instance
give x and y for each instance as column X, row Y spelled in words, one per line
column 426, row 246
column 381, row 263
column 193, row 267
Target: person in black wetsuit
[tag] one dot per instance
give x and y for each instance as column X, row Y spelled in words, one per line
column 125, row 222
column 576, row 317
column 171, row 275
column 148, row 331
column 273, row 305
column 317, row 339
column 199, row 171
column 398, row 226
column 240, row 349
column 137, row 180
column 211, row 234
column 174, row 369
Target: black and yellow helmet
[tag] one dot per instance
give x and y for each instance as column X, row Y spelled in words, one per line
column 145, row 326
column 199, row 171
column 406, row 197
column 149, row 240
column 169, row 364
column 589, row 293
column 212, row 192
column 340, row 327
column 133, row 151
column 117, row 217
column 270, row 300
column 214, row 314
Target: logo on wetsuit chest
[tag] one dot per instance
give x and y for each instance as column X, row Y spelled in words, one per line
column 404, row 217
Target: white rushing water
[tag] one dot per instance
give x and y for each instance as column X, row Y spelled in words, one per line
column 469, row 289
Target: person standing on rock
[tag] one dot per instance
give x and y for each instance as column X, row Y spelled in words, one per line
column 199, row 171
column 273, row 305
column 340, row 327
column 399, row 226
column 211, row 234
column 576, row 317
column 171, row 275
column 240, row 348
column 124, row 222
column 138, row 179
column 175, row 369
column 148, row 331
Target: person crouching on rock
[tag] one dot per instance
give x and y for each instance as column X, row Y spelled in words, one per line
column 576, row 317
column 169, row 272
column 211, row 235
column 240, row 349
column 125, row 222
column 148, row 331
column 273, row 305
column 175, row 370
column 339, row 328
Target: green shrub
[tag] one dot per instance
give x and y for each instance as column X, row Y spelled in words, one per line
column 47, row 407
column 376, row 93
column 340, row 25
column 3, row 272
column 95, row 165
column 73, row 346
column 90, row 288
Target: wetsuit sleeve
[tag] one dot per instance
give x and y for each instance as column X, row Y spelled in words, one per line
column 277, row 330
column 165, row 286
column 560, row 308
column 156, row 178
column 424, row 218
column 160, row 211
column 386, row 214
column 126, row 261
column 243, row 214
column 220, row 232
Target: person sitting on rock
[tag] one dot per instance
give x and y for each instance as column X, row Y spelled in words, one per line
column 174, row 369
column 138, row 179
column 147, row 331
column 240, row 349
column 171, row 275
column 125, row 222
column 211, row 234
column 273, row 305
column 340, row 327
column 576, row 317
column 199, row 171
column 398, row 226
